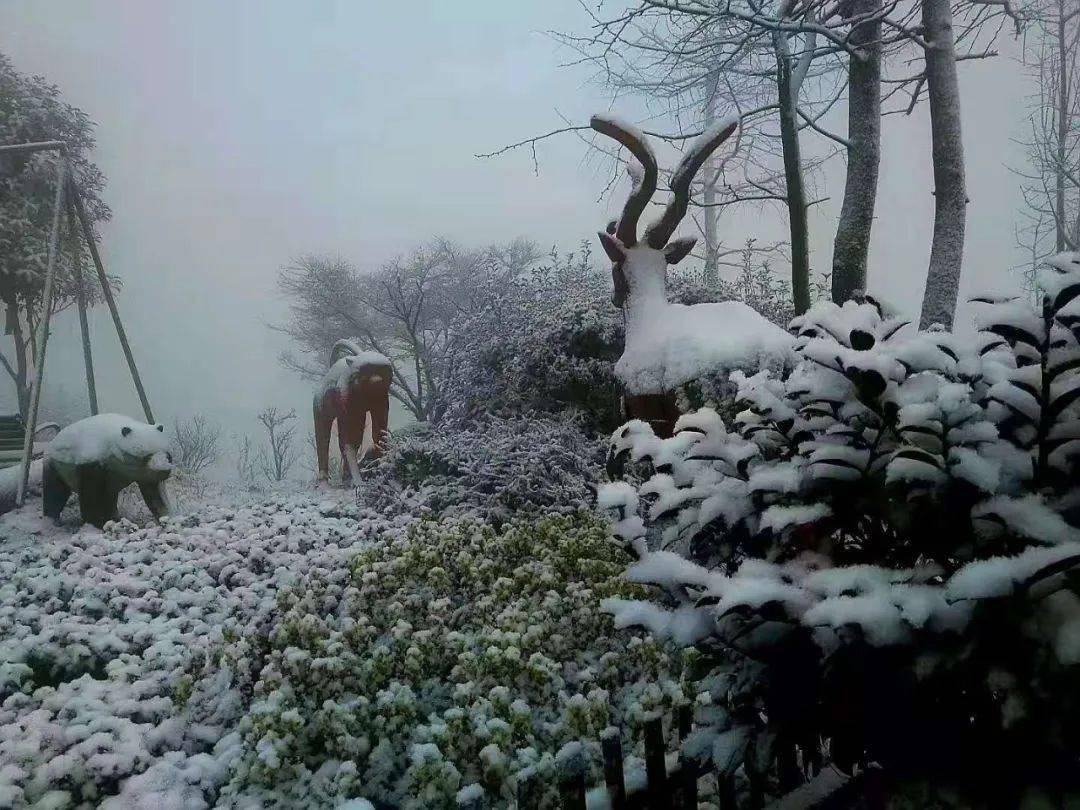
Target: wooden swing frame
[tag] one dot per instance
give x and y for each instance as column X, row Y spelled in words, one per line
column 68, row 198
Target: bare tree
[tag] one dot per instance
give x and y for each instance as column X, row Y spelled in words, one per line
column 247, row 461
column 407, row 309
column 854, row 33
column 701, row 61
column 280, row 454
column 1051, row 178
column 197, row 442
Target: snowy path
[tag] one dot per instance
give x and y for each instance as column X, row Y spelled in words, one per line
column 96, row 628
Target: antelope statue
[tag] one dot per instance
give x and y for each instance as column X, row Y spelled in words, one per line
column 355, row 392
column 671, row 344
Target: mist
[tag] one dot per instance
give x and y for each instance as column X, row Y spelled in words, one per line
column 237, row 136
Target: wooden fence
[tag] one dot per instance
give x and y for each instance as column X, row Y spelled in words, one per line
column 664, row 788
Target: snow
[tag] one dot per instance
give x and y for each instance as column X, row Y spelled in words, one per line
column 778, row 518
column 665, row 568
column 9, row 483
column 671, row 344
column 626, row 126
column 101, row 438
column 699, row 143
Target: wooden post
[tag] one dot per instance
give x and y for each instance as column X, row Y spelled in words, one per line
column 570, row 767
column 572, row 790
column 688, row 767
column 527, row 793
column 725, row 789
column 88, row 235
column 43, row 338
column 613, row 768
column 80, row 298
column 655, row 765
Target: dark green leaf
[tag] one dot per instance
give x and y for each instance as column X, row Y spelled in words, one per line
column 1014, row 334
column 1065, row 296
column 1058, row 406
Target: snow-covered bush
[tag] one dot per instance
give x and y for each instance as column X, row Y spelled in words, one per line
column 488, row 467
column 881, row 551
column 97, row 628
column 548, row 345
column 446, row 655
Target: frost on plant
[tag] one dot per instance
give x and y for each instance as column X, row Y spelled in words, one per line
column 447, row 660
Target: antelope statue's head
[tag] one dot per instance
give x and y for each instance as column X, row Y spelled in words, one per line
column 640, row 268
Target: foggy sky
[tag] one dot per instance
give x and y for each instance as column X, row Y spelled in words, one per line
column 237, row 135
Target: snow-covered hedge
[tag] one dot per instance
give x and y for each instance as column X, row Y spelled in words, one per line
column 882, row 550
column 445, row 656
column 488, row 467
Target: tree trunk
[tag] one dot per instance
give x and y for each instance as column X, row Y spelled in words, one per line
column 796, row 189
column 1060, row 225
column 950, row 196
column 709, row 212
column 852, row 243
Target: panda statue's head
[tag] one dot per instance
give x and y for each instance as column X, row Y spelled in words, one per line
column 146, row 447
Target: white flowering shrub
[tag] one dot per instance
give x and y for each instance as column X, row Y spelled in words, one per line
column 879, row 556
column 488, row 467
column 445, row 657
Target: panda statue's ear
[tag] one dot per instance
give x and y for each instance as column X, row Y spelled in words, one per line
column 160, row 428
column 125, row 431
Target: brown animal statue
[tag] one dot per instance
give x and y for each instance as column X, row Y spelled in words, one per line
column 668, row 344
column 355, row 393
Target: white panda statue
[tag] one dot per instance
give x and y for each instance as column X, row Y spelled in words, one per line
column 99, row 456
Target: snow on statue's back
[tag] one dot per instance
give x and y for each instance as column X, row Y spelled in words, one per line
column 680, row 343
column 670, row 344
column 98, row 439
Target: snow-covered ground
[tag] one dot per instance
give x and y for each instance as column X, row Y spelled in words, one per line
column 96, row 626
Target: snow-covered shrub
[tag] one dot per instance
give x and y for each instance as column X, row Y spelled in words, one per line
column 98, row 627
column 881, row 551
column 487, row 467
column 446, row 655
column 548, row 345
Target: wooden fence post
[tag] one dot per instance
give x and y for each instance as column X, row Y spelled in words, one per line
column 725, row 791
column 688, row 767
column 572, row 791
column 528, row 793
column 570, row 765
column 656, row 765
column 613, row 768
